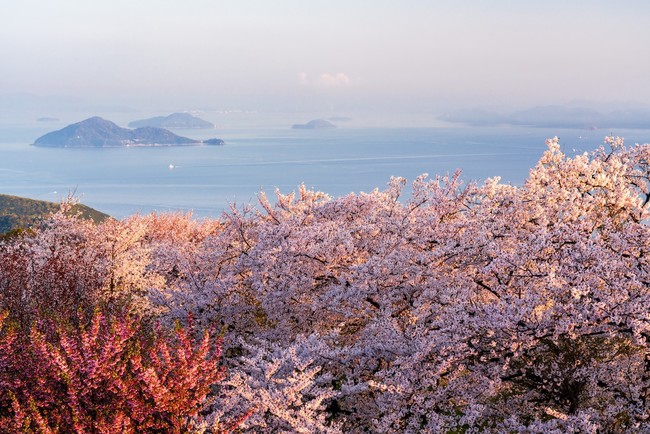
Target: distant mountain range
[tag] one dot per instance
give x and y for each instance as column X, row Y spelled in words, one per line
column 20, row 212
column 174, row 120
column 96, row 132
column 556, row 116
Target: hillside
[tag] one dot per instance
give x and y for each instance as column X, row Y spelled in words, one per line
column 20, row 212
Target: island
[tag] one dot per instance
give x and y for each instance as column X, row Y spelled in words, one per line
column 475, row 117
column 213, row 142
column 96, row 132
column 174, row 120
column 315, row 124
column 557, row 116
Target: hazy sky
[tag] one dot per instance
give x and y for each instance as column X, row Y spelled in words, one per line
column 288, row 53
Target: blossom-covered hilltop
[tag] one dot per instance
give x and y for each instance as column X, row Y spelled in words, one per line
column 462, row 308
column 96, row 132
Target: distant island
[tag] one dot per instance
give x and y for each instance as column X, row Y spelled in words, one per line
column 315, row 124
column 22, row 213
column 47, row 119
column 96, row 132
column 556, row 116
column 174, row 120
column 474, row 117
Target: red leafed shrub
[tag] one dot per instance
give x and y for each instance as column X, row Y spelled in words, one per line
column 108, row 376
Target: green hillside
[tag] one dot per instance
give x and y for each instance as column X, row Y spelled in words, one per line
column 20, row 212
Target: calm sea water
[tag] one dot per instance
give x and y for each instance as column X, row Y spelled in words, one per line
column 206, row 179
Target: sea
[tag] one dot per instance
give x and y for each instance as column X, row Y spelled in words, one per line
column 264, row 155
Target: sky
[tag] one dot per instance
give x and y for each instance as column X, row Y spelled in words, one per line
column 342, row 54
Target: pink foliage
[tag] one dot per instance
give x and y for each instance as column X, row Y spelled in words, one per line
column 106, row 377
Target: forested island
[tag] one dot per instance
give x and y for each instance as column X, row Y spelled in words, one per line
column 447, row 307
column 96, row 132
